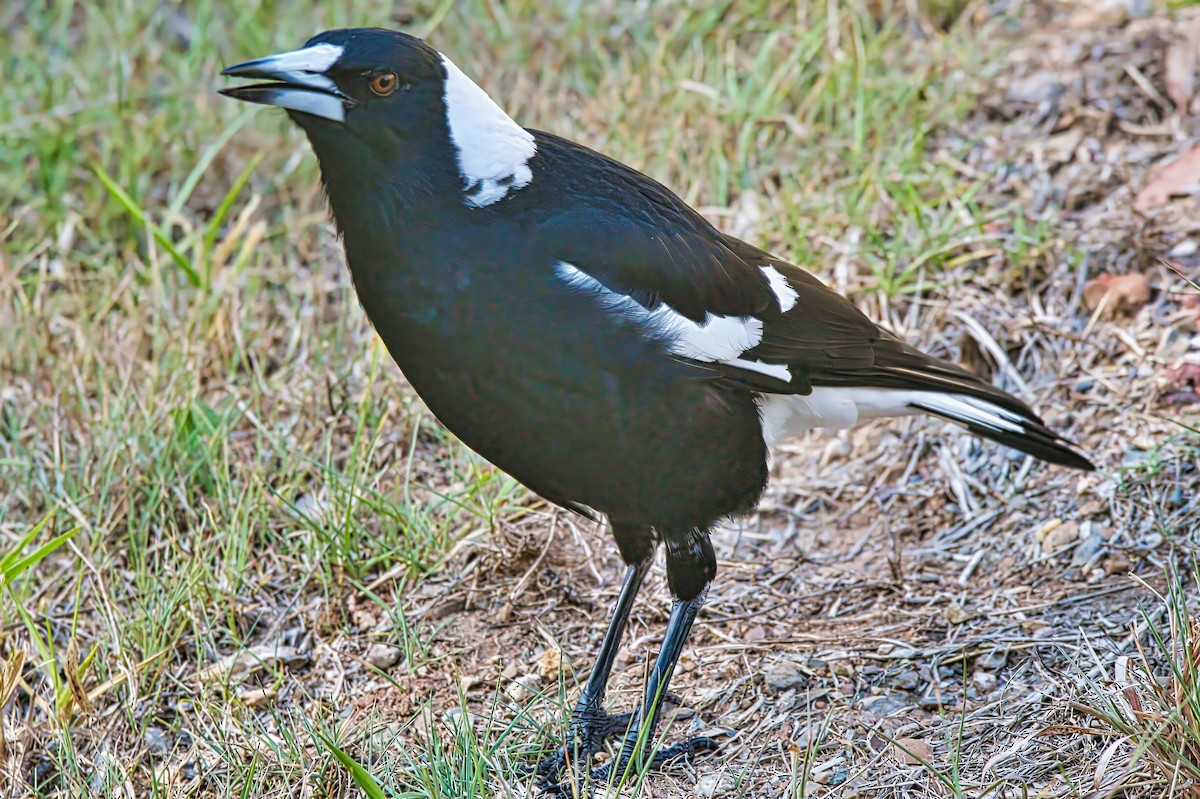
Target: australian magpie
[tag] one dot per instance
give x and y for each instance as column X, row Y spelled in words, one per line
column 583, row 329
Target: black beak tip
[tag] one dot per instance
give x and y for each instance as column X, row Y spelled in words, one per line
column 253, row 93
column 236, row 92
column 246, row 69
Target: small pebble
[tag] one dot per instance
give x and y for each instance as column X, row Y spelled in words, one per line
column 524, row 688
column 785, row 676
column 383, row 656
column 956, row 614
column 1184, row 248
column 992, row 660
column 906, row 680
column 1134, row 456
column 986, row 680
column 710, row 785
column 1037, row 88
column 889, row 704
column 158, row 741
column 1056, row 534
column 841, row 668
column 1116, row 564
column 1088, row 550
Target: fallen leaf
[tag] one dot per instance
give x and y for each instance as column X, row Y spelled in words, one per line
column 1181, row 176
column 549, row 664
column 1191, row 302
column 1060, row 148
column 74, row 678
column 246, row 661
column 1056, row 534
column 257, row 696
column 755, row 634
column 1119, row 294
column 1186, row 380
column 1179, row 69
column 1086, row 14
column 912, row 751
column 1186, row 375
column 956, row 614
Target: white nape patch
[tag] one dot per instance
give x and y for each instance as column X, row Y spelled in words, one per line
column 786, row 415
column 493, row 151
column 784, row 293
column 720, row 339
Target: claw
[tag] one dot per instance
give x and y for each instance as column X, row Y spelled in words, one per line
column 684, row 750
column 587, row 736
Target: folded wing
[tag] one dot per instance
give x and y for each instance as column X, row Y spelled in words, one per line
column 763, row 324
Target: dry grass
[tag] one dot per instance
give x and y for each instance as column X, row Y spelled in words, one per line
column 276, row 543
column 1152, row 699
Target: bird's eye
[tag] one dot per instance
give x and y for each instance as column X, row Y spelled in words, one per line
column 384, row 83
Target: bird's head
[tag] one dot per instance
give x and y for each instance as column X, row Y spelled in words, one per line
column 374, row 100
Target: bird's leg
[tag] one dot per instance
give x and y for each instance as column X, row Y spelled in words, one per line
column 640, row 735
column 691, row 566
column 591, row 726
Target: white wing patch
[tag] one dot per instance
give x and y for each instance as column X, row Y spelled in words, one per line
column 724, row 339
column 493, row 150
column 719, row 339
column 784, row 293
column 775, row 370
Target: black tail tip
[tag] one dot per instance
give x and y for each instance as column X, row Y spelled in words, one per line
column 1073, row 459
column 1046, row 446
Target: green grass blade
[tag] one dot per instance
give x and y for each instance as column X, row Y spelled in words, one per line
column 362, row 778
column 11, row 570
column 205, row 161
column 134, row 210
column 12, row 564
column 7, row 561
column 210, row 236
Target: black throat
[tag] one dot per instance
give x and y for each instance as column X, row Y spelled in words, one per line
column 387, row 196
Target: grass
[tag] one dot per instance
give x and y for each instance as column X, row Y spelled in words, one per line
column 204, row 449
column 1152, row 699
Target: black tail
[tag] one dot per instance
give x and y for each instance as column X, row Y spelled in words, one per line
column 939, row 387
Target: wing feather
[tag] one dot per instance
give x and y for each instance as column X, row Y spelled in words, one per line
column 642, row 245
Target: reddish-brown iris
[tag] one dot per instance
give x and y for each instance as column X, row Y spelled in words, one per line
column 384, row 83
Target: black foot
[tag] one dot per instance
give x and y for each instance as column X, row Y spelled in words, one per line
column 591, row 728
column 615, row 770
column 586, row 736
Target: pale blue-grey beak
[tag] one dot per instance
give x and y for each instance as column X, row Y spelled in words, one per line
column 299, row 82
